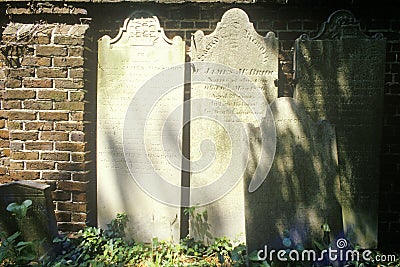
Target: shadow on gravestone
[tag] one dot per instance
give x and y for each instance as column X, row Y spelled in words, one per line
column 39, row 223
column 302, row 191
column 340, row 78
column 126, row 65
column 234, row 44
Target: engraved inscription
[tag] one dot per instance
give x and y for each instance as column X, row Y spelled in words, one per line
column 344, row 84
column 126, row 63
column 235, row 44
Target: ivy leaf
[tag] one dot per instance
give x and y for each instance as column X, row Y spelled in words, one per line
column 11, row 207
column 27, row 203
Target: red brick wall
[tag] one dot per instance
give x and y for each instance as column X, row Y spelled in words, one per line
column 58, row 104
column 42, row 107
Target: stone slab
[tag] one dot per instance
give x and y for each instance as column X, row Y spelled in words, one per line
column 302, row 189
column 340, row 78
column 39, row 223
column 125, row 65
column 236, row 54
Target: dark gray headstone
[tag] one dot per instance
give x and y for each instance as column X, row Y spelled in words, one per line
column 340, row 77
column 302, row 190
column 39, row 222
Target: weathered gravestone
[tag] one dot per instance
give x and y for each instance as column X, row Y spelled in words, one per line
column 340, row 77
column 130, row 134
column 39, row 223
column 234, row 45
column 302, row 190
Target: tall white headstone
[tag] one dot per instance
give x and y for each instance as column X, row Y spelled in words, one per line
column 128, row 133
column 237, row 46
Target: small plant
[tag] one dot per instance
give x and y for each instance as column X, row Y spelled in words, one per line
column 13, row 250
column 19, row 210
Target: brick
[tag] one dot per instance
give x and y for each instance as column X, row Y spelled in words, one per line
column 4, row 114
column 16, row 165
column 21, row 72
column 4, row 133
column 38, row 125
column 21, row 115
column 79, row 197
column 79, row 29
column 78, row 217
column 51, row 73
column 76, row 116
column 76, row 73
column 6, row 152
column 12, row 104
column 68, row 62
column 56, row 175
column 62, row 216
column 24, row 135
column 13, row 83
column 25, row 155
column 4, row 143
column 38, row 145
column 54, row 136
column 68, row 40
column 62, row 28
column 72, row 186
column 78, row 157
column 76, row 96
column 53, row 116
column 71, row 166
column 70, row 146
column 36, row 61
column 80, row 176
column 38, row 83
column 77, row 136
column 75, row 51
column 60, row 195
column 69, row 126
column 69, row 83
column 50, row 50
column 2, row 123
column 41, row 39
column 55, row 95
column 71, row 206
column 16, row 145
column 56, row 156
column 73, row 106
column 40, row 165
column 24, row 175
column 20, row 94
column 3, row 171
column 38, row 104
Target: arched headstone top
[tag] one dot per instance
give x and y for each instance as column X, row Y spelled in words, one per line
column 341, row 24
column 142, row 29
column 235, row 43
column 232, row 32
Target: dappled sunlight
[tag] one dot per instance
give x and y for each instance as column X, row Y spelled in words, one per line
column 299, row 192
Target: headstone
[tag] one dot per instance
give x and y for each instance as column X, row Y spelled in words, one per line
column 302, row 190
column 236, row 44
column 233, row 55
column 340, row 77
column 39, row 223
column 129, row 134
